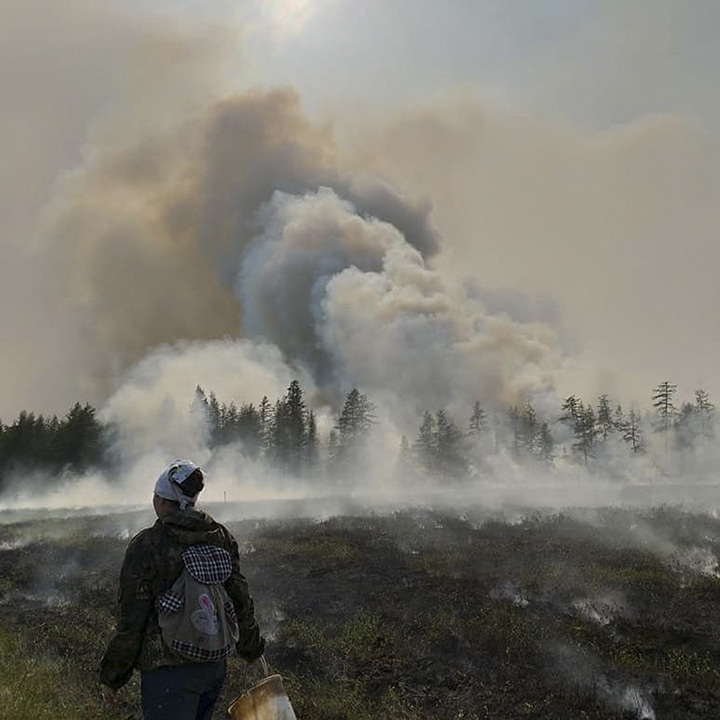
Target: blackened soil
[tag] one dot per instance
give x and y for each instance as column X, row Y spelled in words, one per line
column 602, row 615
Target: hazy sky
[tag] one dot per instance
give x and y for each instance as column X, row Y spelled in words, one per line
column 570, row 149
column 597, row 62
column 585, row 163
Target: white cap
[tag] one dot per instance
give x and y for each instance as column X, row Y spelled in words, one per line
column 169, row 483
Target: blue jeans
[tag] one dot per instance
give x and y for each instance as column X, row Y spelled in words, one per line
column 182, row 692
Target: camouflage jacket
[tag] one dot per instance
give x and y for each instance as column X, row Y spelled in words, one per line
column 152, row 564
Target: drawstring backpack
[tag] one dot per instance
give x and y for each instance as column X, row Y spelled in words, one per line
column 196, row 616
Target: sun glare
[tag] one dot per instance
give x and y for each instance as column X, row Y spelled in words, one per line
column 290, row 17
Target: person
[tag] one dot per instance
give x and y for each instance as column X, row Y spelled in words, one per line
column 172, row 687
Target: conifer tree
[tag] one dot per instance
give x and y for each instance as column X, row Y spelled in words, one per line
column 200, row 397
column 632, row 432
column 439, row 445
column 705, row 412
column 353, row 426
column 289, row 429
column 200, row 410
column 26, row 443
column 605, row 421
column 449, row 458
column 525, row 428
column 478, row 420
column 685, row 426
column 248, row 429
column 528, row 427
column 425, row 442
column 265, row 417
column 311, row 443
column 571, row 410
column 619, row 418
column 214, row 419
column 546, row 444
column 585, row 431
column 662, row 402
column 77, row 442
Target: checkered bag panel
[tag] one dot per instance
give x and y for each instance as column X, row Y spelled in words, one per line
column 169, row 602
column 193, row 652
column 208, row 564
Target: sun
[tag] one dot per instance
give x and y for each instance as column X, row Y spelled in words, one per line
column 289, row 17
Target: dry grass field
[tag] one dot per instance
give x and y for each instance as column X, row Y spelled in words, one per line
column 598, row 614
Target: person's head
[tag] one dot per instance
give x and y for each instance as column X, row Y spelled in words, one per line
column 177, row 487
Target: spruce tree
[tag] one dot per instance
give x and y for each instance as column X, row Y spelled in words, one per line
column 705, row 412
column 77, row 442
column 528, row 429
column 632, row 432
column 571, row 410
column 525, row 428
column 449, row 459
column 514, row 419
column 289, row 429
column 546, row 444
column 478, row 420
column 585, row 431
column 265, row 417
column 311, row 443
column 425, row 442
column 605, row 421
column 249, row 430
column 214, row 420
column 685, row 426
column 662, row 402
column 619, row 418
column 353, row 425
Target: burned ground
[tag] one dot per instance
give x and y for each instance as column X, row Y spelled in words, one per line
column 608, row 613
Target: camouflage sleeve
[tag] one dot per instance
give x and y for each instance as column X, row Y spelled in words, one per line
column 250, row 645
column 134, row 607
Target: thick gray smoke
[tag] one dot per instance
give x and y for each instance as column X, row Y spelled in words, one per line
column 240, row 224
column 346, row 295
column 227, row 240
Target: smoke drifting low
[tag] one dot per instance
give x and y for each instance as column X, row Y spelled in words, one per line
column 232, row 243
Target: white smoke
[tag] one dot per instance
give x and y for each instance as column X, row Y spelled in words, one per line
column 152, row 410
column 227, row 240
column 348, row 297
column 241, row 224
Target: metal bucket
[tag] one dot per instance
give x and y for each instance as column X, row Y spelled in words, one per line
column 265, row 701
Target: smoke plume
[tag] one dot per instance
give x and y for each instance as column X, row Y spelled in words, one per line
column 240, row 223
column 177, row 229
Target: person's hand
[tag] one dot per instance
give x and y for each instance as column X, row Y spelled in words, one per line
column 109, row 695
column 260, row 657
column 252, row 646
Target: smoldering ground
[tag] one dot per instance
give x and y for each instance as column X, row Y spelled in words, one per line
column 488, row 612
column 182, row 231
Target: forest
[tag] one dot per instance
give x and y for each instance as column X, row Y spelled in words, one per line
column 284, row 433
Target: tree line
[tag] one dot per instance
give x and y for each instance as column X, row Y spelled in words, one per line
column 32, row 442
column 285, row 434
